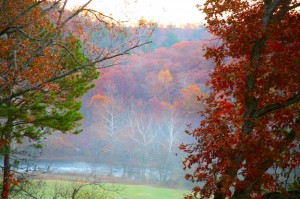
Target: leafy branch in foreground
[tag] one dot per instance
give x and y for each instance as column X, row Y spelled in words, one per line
column 249, row 138
column 48, row 58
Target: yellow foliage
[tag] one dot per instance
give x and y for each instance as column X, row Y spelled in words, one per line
column 165, row 76
column 191, row 89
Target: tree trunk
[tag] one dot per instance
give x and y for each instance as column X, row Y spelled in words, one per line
column 243, row 194
column 6, row 151
column 6, row 174
column 124, row 170
column 74, row 193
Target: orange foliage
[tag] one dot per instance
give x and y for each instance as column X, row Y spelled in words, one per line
column 99, row 98
column 43, row 46
column 166, row 105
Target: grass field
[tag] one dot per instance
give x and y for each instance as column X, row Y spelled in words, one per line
column 49, row 189
column 147, row 192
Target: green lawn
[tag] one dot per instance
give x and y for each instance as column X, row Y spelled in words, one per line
column 148, row 192
column 49, row 188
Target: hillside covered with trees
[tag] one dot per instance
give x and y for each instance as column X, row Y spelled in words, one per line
column 135, row 116
column 210, row 108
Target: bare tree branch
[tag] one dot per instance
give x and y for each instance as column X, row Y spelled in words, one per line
column 79, row 10
column 273, row 107
column 68, row 72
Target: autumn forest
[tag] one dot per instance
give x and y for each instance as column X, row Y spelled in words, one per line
column 96, row 107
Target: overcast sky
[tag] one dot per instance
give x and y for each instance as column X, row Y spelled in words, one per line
column 176, row 12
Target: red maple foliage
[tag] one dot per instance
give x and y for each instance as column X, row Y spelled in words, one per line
column 250, row 133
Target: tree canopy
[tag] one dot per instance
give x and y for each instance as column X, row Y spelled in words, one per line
column 48, row 59
column 249, row 137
